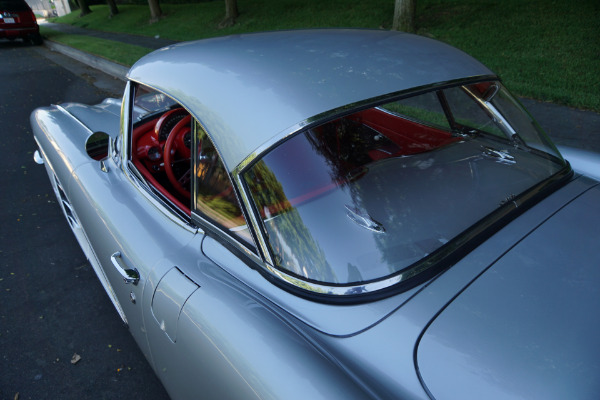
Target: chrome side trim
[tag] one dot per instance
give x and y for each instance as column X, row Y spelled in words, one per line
column 348, row 290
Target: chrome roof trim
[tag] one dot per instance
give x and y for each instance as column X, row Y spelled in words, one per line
column 347, row 109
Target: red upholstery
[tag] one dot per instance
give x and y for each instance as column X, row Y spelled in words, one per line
column 405, row 138
column 144, row 138
column 412, row 137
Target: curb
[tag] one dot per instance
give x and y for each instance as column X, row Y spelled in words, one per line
column 111, row 68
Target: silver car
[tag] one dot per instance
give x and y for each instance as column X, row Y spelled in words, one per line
column 334, row 214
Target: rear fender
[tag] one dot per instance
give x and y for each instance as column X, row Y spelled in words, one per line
column 582, row 161
column 227, row 342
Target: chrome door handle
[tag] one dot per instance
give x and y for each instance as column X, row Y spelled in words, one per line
column 130, row 275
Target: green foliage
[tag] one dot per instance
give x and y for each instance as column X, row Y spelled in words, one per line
column 547, row 50
column 200, row 20
column 121, row 53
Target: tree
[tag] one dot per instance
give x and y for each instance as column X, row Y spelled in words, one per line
column 404, row 15
column 113, row 7
column 85, row 9
column 231, row 13
column 155, row 10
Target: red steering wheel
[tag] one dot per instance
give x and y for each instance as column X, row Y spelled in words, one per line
column 176, row 152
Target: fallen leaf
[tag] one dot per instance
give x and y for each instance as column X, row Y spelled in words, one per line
column 75, row 359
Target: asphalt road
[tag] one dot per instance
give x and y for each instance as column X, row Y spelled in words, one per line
column 52, row 306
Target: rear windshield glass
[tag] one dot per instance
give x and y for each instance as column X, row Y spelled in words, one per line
column 375, row 193
column 13, row 5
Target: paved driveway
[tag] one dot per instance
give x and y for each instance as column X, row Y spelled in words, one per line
column 51, row 303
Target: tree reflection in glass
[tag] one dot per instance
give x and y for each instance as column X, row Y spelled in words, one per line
column 376, row 192
column 215, row 197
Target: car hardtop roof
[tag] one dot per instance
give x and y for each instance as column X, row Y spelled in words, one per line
column 248, row 89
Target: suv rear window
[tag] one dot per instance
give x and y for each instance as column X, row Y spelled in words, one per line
column 13, row 5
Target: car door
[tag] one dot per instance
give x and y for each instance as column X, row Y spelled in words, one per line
column 129, row 227
column 128, row 233
column 190, row 282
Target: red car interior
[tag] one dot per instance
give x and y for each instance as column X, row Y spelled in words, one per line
column 349, row 145
column 148, row 157
column 373, row 134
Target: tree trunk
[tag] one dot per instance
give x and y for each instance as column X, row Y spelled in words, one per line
column 404, row 15
column 113, row 7
column 85, row 9
column 155, row 11
column 231, row 13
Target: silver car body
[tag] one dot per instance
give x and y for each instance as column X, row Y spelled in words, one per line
column 513, row 317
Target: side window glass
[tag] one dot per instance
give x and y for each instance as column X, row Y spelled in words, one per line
column 468, row 112
column 148, row 101
column 215, row 198
column 425, row 108
column 160, row 143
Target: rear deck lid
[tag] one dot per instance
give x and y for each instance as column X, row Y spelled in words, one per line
column 529, row 327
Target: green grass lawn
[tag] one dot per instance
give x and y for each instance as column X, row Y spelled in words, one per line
column 121, row 53
column 543, row 49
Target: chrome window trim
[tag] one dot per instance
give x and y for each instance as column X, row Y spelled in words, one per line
column 158, row 201
column 412, row 119
column 222, row 234
column 493, row 112
column 345, row 290
column 349, row 109
column 305, row 284
column 125, row 125
column 169, row 209
column 254, row 224
column 239, row 244
column 135, row 177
